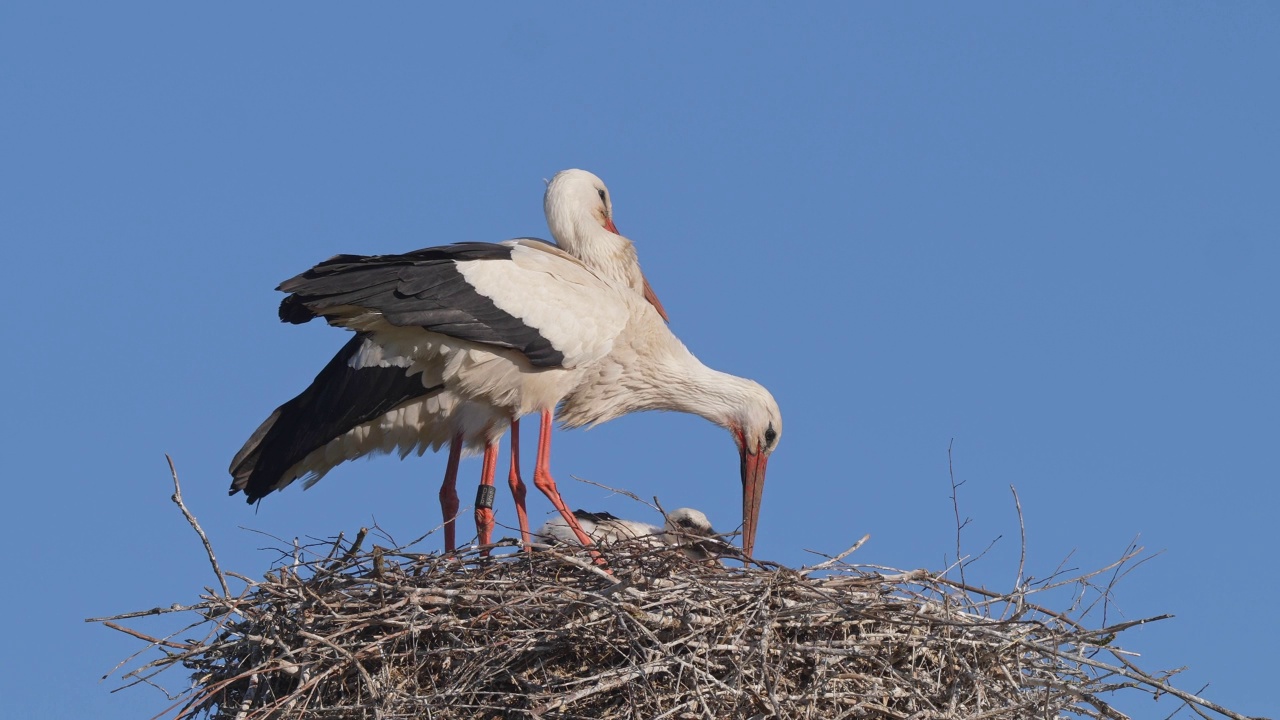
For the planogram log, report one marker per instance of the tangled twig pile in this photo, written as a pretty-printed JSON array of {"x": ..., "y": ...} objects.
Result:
[{"x": 335, "y": 631}]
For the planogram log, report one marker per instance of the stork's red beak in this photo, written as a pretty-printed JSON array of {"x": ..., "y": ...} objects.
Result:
[
  {"x": 753, "y": 467},
  {"x": 608, "y": 225}
]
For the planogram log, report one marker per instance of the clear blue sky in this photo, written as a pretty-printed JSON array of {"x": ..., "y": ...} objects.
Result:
[{"x": 1048, "y": 232}]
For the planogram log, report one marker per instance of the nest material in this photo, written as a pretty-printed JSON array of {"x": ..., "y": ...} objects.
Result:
[{"x": 336, "y": 632}]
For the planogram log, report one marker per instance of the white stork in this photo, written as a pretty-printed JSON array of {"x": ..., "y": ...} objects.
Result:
[
  {"x": 686, "y": 528},
  {"x": 369, "y": 400},
  {"x": 521, "y": 326}
]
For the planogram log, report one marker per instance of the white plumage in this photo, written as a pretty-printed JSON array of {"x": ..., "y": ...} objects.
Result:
[
  {"x": 648, "y": 368},
  {"x": 684, "y": 527},
  {"x": 518, "y": 327},
  {"x": 429, "y": 415}
]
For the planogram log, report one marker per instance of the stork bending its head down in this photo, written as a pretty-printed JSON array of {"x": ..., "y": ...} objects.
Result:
[
  {"x": 496, "y": 331},
  {"x": 522, "y": 326}
]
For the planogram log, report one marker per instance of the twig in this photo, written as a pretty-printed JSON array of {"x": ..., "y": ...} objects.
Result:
[
  {"x": 617, "y": 491},
  {"x": 1022, "y": 534},
  {"x": 955, "y": 506},
  {"x": 177, "y": 498},
  {"x": 148, "y": 638},
  {"x": 829, "y": 562}
]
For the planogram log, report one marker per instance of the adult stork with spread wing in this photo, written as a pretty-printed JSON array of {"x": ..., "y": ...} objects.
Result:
[{"x": 496, "y": 331}]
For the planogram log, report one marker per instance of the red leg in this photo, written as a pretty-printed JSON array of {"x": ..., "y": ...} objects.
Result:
[
  {"x": 484, "y": 496},
  {"x": 543, "y": 481},
  {"x": 449, "y": 494},
  {"x": 517, "y": 485}
]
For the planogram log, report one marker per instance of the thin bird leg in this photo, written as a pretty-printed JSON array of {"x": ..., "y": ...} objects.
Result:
[
  {"x": 449, "y": 493},
  {"x": 517, "y": 484},
  {"x": 485, "y": 494},
  {"x": 543, "y": 481}
]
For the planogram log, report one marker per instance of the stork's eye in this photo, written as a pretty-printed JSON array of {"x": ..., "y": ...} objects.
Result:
[
  {"x": 769, "y": 436},
  {"x": 603, "y": 198}
]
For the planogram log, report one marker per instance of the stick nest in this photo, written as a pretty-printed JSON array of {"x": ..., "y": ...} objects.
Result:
[{"x": 337, "y": 632}]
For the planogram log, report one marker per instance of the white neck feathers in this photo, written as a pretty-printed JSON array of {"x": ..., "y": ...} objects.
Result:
[{"x": 579, "y": 232}]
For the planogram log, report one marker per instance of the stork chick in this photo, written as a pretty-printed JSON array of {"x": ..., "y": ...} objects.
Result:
[{"x": 686, "y": 528}]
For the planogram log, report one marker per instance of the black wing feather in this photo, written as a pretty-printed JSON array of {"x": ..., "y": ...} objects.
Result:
[
  {"x": 339, "y": 399},
  {"x": 596, "y": 517},
  {"x": 424, "y": 289}
]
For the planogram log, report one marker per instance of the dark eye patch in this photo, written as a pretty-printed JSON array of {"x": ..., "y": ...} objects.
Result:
[
  {"x": 602, "y": 197},
  {"x": 769, "y": 436}
]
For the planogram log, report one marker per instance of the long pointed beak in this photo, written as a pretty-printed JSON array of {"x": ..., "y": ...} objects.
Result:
[
  {"x": 753, "y": 467},
  {"x": 608, "y": 225}
]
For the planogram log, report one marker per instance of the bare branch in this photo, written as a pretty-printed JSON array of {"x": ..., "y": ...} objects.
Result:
[{"x": 177, "y": 499}]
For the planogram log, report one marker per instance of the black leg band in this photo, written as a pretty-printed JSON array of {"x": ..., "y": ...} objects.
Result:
[{"x": 484, "y": 496}]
